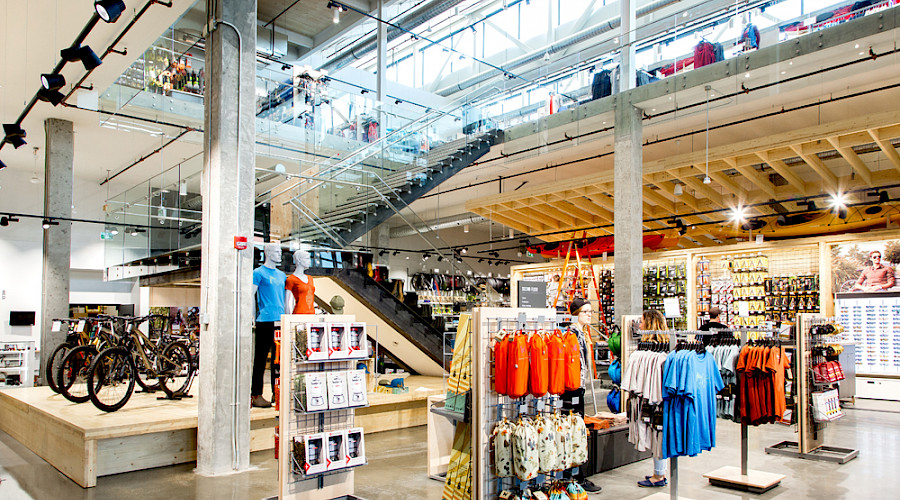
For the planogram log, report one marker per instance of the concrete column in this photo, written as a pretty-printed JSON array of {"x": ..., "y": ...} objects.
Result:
[
  {"x": 223, "y": 437},
  {"x": 381, "y": 86},
  {"x": 59, "y": 158},
  {"x": 627, "y": 70},
  {"x": 628, "y": 205}
]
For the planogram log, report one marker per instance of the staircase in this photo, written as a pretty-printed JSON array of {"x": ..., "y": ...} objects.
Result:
[
  {"x": 415, "y": 329},
  {"x": 392, "y": 191}
]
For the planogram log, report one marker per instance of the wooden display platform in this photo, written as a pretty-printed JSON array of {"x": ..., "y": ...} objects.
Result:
[
  {"x": 755, "y": 481},
  {"x": 85, "y": 443}
]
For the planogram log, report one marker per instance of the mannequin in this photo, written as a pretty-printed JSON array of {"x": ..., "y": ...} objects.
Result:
[
  {"x": 301, "y": 293},
  {"x": 268, "y": 285}
]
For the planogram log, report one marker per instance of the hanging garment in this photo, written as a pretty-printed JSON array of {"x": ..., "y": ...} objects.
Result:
[
  {"x": 572, "y": 362},
  {"x": 579, "y": 447},
  {"x": 562, "y": 435},
  {"x": 704, "y": 53},
  {"x": 538, "y": 381},
  {"x": 517, "y": 366},
  {"x": 556, "y": 356},
  {"x": 750, "y": 37},
  {"x": 501, "y": 371},
  {"x": 548, "y": 459},
  {"x": 525, "y": 451},
  {"x": 501, "y": 441},
  {"x": 601, "y": 86}
]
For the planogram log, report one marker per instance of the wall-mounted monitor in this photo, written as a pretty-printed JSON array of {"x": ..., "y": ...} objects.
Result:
[{"x": 21, "y": 318}]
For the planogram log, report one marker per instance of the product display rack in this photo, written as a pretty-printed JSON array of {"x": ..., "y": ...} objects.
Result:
[
  {"x": 744, "y": 478},
  {"x": 664, "y": 280},
  {"x": 811, "y": 432},
  {"x": 871, "y": 320},
  {"x": 295, "y": 422},
  {"x": 15, "y": 361},
  {"x": 488, "y": 407}
]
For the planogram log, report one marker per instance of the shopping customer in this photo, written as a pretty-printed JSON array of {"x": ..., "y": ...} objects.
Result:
[
  {"x": 713, "y": 325},
  {"x": 581, "y": 310},
  {"x": 654, "y": 320}
]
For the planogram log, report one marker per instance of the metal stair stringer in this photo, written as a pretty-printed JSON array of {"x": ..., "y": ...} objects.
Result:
[{"x": 423, "y": 337}]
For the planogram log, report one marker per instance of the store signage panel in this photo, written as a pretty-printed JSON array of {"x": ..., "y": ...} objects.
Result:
[{"x": 532, "y": 294}]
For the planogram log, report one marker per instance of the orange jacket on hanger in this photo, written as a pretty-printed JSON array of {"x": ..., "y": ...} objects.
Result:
[
  {"x": 517, "y": 366},
  {"x": 501, "y": 349},
  {"x": 538, "y": 377},
  {"x": 573, "y": 361},
  {"x": 556, "y": 364}
]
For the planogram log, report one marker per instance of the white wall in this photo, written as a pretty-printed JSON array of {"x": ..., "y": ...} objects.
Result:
[{"x": 21, "y": 262}]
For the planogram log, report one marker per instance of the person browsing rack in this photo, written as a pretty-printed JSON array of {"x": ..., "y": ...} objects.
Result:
[
  {"x": 652, "y": 319},
  {"x": 573, "y": 400}
]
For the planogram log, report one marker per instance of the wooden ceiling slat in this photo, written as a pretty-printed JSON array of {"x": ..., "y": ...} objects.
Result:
[
  {"x": 514, "y": 223},
  {"x": 887, "y": 148},
  {"x": 853, "y": 159},
  {"x": 784, "y": 171},
  {"x": 726, "y": 182},
  {"x": 756, "y": 178},
  {"x": 589, "y": 206},
  {"x": 815, "y": 163},
  {"x": 699, "y": 187}
]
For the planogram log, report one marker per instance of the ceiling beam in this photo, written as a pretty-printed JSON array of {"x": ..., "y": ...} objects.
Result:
[
  {"x": 758, "y": 179},
  {"x": 887, "y": 148},
  {"x": 784, "y": 171},
  {"x": 818, "y": 166},
  {"x": 853, "y": 159}
]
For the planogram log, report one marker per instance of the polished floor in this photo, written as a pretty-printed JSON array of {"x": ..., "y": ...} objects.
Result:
[{"x": 396, "y": 470}]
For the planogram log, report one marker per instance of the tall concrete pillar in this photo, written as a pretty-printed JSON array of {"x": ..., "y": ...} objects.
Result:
[
  {"x": 223, "y": 436},
  {"x": 628, "y": 205},
  {"x": 59, "y": 159},
  {"x": 628, "y": 15}
]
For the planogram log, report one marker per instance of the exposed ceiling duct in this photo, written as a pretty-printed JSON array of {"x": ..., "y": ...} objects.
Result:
[
  {"x": 553, "y": 48},
  {"x": 366, "y": 45},
  {"x": 444, "y": 223}
]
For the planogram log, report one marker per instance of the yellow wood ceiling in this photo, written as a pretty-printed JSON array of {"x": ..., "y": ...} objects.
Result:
[{"x": 779, "y": 167}]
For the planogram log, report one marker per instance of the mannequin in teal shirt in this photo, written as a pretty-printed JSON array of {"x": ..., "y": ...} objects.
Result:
[{"x": 268, "y": 285}]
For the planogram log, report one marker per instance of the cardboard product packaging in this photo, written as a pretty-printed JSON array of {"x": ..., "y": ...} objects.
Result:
[
  {"x": 312, "y": 341},
  {"x": 311, "y": 453},
  {"x": 310, "y": 389},
  {"x": 337, "y": 390},
  {"x": 356, "y": 449},
  {"x": 359, "y": 341},
  {"x": 338, "y": 340},
  {"x": 356, "y": 388},
  {"x": 337, "y": 450}
]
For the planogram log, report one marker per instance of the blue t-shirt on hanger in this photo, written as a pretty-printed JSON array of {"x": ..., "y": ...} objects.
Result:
[{"x": 269, "y": 293}]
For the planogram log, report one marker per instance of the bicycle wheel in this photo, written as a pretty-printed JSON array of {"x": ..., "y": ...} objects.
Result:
[
  {"x": 147, "y": 378},
  {"x": 111, "y": 380},
  {"x": 53, "y": 364},
  {"x": 73, "y": 373},
  {"x": 176, "y": 369}
]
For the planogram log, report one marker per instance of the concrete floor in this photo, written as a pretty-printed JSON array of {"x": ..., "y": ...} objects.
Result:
[{"x": 396, "y": 470}]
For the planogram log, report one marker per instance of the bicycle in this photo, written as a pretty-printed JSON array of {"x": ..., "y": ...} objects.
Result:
[
  {"x": 113, "y": 372},
  {"x": 73, "y": 370},
  {"x": 74, "y": 338}
]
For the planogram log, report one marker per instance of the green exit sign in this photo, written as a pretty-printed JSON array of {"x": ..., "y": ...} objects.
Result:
[{"x": 105, "y": 235}]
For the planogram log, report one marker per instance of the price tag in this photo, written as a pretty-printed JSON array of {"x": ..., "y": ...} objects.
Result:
[
  {"x": 540, "y": 405},
  {"x": 743, "y": 309},
  {"x": 718, "y": 396},
  {"x": 523, "y": 409},
  {"x": 670, "y": 305},
  {"x": 80, "y": 327},
  {"x": 55, "y": 327},
  {"x": 558, "y": 403},
  {"x": 646, "y": 419},
  {"x": 575, "y": 400}
]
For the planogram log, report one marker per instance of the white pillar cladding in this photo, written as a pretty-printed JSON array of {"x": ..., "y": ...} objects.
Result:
[
  {"x": 223, "y": 435},
  {"x": 59, "y": 160},
  {"x": 628, "y": 204}
]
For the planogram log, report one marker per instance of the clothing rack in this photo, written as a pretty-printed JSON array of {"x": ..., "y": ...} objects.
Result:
[
  {"x": 811, "y": 433},
  {"x": 745, "y": 479}
]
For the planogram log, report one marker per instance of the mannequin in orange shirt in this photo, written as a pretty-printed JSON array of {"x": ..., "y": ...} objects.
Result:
[{"x": 300, "y": 297}]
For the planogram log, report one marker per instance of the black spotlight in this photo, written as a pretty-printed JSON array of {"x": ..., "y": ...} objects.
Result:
[
  {"x": 109, "y": 10},
  {"x": 810, "y": 205},
  {"x": 81, "y": 53},
  {"x": 381, "y": 253},
  {"x": 54, "y": 97},
  {"x": 2, "y": 165},
  {"x": 842, "y": 213},
  {"x": 4, "y": 221},
  {"x": 440, "y": 258},
  {"x": 14, "y": 134},
  {"x": 883, "y": 197},
  {"x": 52, "y": 81}
]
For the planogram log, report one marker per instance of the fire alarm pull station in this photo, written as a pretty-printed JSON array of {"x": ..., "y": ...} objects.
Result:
[{"x": 240, "y": 242}]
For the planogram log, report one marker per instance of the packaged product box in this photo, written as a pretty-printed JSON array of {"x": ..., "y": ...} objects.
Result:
[
  {"x": 309, "y": 453},
  {"x": 359, "y": 341},
  {"x": 311, "y": 341},
  {"x": 337, "y": 389},
  {"x": 356, "y": 388},
  {"x": 338, "y": 340},
  {"x": 311, "y": 392},
  {"x": 337, "y": 449},
  {"x": 356, "y": 449}
]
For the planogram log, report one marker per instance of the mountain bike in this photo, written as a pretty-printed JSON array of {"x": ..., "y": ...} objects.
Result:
[
  {"x": 74, "y": 338},
  {"x": 73, "y": 370}
]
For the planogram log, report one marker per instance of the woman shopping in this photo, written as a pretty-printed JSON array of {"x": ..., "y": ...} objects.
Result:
[{"x": 654, "y": 320}]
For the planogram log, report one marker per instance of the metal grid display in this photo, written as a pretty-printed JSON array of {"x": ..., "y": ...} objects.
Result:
[
  {"x": 490, "y": 407},
  {"x": 295, "y": 422}
]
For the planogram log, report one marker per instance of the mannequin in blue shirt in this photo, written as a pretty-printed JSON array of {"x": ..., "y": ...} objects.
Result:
[{"x": 268, "y": 286}]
